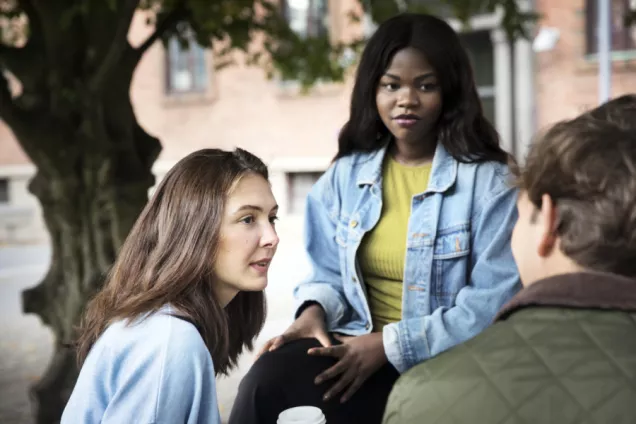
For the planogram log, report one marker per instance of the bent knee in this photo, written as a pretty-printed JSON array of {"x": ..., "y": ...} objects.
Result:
[
  {"x": 267, "y": 370},
  {"x": 287, "y": 365}
]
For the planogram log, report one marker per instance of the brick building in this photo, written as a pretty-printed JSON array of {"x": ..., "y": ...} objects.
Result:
[
  {"x": 567, "y": 77},
  {"x": 181, "y": 99}
]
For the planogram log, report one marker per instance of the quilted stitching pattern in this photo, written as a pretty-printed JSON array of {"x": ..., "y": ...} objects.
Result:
[{"x": 541, "y": 366}]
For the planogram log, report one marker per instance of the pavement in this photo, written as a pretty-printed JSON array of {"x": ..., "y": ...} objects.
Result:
[{"x": 26, "y": 345}]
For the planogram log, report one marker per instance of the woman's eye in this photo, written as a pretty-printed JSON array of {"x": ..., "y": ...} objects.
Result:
[
  {"x": 428, "y": 87},
  {"x": 390, "y": 86},
  {"x": 247, "y": 220},
  {"x": 273, "y": 219}
]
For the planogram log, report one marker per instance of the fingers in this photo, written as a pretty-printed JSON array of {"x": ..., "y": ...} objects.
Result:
[
  {"x": 334, "y": 351},
  {"x": 264, "y": 348},
  {"x": 271, "y": 345},
  {"x": 357, "y": 383},
  {"x": 323, "y": 338},
  {"x": 342, "y": 338},
  {"x": 346, "y": 379},
  {"x": 278, "y": 342},
  {"x": 334, "y": 371}
]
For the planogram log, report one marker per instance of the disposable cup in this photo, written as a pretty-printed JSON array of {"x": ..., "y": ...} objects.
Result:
[{"x": 302, "y": 415}]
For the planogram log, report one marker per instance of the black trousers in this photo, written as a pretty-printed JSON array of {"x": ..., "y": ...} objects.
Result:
[{"x": 285, "y": 378}]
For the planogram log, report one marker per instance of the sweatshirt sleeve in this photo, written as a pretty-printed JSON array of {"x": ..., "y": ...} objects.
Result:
[
  {"x": 173, "y": 382},
  {"x": 187, "y": 388}
]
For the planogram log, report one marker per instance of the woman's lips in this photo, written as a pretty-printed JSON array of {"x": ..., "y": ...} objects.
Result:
[
  {"x": 261, "y": 266},
  {"x": 406, "y": 122}
]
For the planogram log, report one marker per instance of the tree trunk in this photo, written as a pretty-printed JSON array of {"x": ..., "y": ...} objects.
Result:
[
  {"x": 91, "y": 193},
  {"x": 85, "y": 235},
  {"x": 74, "y": 119}
]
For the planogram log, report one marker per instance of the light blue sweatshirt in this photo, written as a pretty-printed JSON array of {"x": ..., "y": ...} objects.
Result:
[{"x": 157, "y": 371}]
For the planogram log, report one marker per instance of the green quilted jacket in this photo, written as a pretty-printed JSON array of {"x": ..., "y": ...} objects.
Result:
[{"x": 563, "y": 351}]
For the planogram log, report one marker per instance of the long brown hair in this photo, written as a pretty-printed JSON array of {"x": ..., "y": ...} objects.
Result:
[{"x": 168, "y": 258}]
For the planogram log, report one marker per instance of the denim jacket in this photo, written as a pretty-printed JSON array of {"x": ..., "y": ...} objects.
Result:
[{"x": 459, "y": 268}]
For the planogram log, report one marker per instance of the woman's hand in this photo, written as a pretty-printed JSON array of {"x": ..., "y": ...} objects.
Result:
[
  {"x": 310, "y": 324},
  {"x": 359, "y": 357}
]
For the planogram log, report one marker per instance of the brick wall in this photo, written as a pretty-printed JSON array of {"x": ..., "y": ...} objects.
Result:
[{"x": 567, "y": 82}]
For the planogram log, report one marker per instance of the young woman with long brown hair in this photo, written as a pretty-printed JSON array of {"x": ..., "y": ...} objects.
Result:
[{"x": 184, "y": 297}]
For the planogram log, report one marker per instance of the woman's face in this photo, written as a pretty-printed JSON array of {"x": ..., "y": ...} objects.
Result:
[
  {"x": 409, "y": 97},
  {"x": 248, "y": 238}
]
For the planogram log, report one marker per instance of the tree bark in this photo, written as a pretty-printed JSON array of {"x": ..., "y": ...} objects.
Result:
[
  {"x": 88, "y": 209},
  {"x": 75, "y": 121},
  {"x": 94, "y": 169}
]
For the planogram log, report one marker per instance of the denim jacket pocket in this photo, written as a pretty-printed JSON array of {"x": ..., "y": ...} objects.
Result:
[{"x": 451, "y": 256}]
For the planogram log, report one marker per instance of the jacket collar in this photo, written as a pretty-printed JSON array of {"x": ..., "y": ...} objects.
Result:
[
  {"x": 585, "y": 290},
  {"x": 443, "y": 170}
]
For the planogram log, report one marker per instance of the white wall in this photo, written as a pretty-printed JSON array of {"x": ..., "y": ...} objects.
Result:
[{"x": 21, "y": 219}]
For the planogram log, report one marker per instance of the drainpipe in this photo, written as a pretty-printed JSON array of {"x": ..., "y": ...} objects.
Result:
[{"x": 604, "y": 34}]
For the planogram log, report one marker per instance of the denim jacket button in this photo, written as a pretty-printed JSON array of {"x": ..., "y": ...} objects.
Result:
[
  {"x": 367, "y": 326},
  {"x": 354, "y": 279},
  {"x": 353, "y": 224}
]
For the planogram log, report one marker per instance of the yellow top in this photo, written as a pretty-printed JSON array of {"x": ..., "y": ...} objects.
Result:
[{"x": 383, "y": 250}]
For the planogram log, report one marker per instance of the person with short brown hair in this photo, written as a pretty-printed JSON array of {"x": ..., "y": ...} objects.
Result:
[
  {"x": 620, "y": 111},
  {"x": 584, "y": 173},
  {"x": 563, "y": 350}
]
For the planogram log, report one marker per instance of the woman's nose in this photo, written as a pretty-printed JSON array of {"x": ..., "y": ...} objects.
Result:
[{"x": 270, "y": 237}]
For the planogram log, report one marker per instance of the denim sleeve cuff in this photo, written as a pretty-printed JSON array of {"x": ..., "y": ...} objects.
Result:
[
  {"x": 392, "y": 348},
  {"x": 326, "y": 296}
]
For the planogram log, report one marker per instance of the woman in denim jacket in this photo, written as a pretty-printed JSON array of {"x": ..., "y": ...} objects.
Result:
[{"x": 408, "y": 234}]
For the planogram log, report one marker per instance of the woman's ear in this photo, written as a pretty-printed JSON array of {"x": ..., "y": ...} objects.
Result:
[{"x": 547, "y": 219}]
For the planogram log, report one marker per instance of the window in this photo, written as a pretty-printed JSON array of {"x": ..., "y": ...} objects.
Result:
[
  {"x": 480, "y": 50},
  {"x": 307, "y": 18},
  {"x": 4, "y": 190},
  {"x": 186, "y": 69},
  {"x": 443, "y": 9},
  {"x": 299, "y": 184},
  {"x": 623, "y": 38}
]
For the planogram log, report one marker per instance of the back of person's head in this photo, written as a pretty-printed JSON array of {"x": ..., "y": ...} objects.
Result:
[
  {"x": 462, "y": 127},
  {"x": 619, "y": 111},
  {"x": 587, "y": 167},
  {"x": 169, "y": 258}
]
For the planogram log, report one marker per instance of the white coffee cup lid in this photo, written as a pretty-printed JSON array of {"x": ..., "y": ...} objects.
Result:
[{"x": 302, "y": 415}]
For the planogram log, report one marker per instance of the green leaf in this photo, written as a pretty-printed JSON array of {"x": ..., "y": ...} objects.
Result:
[
  {"x": 69, "y": 15},
  {"x": 112, "y": 5}
]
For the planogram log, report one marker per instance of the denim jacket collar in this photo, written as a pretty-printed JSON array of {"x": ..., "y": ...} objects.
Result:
[
  {"x": 443, "y": 171},
  {"x": 371, "y": 171}
]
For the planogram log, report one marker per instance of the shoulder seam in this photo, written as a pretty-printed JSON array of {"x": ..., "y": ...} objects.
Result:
[{"x": 489, "y": 195}]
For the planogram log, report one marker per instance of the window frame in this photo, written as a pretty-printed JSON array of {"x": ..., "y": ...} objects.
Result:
[
  {"x": 292, "y": 181},
  {"x": 5, "y": 195},
  {"x": 196, "y": 65},
  {"x": 623, "y": 38},
  {"x": 316, "y": 17}
]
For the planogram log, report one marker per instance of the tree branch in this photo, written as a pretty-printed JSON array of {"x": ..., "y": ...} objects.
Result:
[
  {"x": 8, "y": 109},
  {"x": 8, "y": 54},
  {"x": 35, "y": 25},
  {"x": 117, "y": 46},
  {"x": 16, "y": 119},
  {"x": 170, "y": 20},
  {"x": 18, "y": 60}
]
